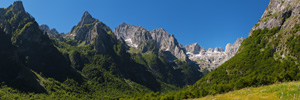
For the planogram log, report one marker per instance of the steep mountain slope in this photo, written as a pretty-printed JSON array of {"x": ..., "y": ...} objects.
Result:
[
  {"x": 89, "y": 62},
  {"x": 52, "y": 33},
  {"x": 98, "y": 39},
  {"x": 35, "y": 50},
  {"x": 158, "y": 41},
  {"x": 212, "y": 58},
  {"x": 160, "y": 51},
  {"x": 13, "y": 71},
  {"x": 34, "y": 63},
  {"x": 46, "y": 30},
  {"x": 270, "y": 54}
]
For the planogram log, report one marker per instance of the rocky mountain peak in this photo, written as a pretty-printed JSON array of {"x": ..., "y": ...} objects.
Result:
[
  {"x": 193, "y": 48},
  {"x": 18, "y": 6},
  {"x": 127, "y": 31},
  {"x": 212, "y": 58},
  {"x": 231, "y": 49},
  {"x": 218, "y": 49},
  {"x": 159, "y": 30},
  {"x": 279, "y": 13},
  {"x": 138, "y": 37},
  {"x": 86, "y": 19},
  {"x": 210, "y": 49},
  {"x": 90, "y": 30},
  {"x": 46, "y": 29},
  {"x": 239, "y": 41}
]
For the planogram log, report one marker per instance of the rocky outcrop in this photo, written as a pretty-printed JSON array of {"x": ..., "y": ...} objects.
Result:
[
  {"x": 193, "y": 48},
  {"x": 137, "y": 37},
  {"x": 168, "y": 42},
  {"x": 88, "y": 29},
  {"x": 134, "y": 36},
  {"x": 91, "y": 31},
  {"x": 232, "y": 49},
  {"x": 46, "y": 30},
  {"x": 212, "y": 58},
  {"x": 280, "y": 13},
  {"x": 218, "y": 49}
]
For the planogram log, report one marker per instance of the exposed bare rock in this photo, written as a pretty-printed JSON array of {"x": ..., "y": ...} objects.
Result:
[
  {"x": 212, "y": 58},
  {"x": 134, "y": 36},
  {"x": 91, "y": 30},
  {"x": 139, "y": 38},
  {"x": 277, "y": 14},
  {"x": 167, "y": 42},
  {"x": 88, "y": 28},
  {"x": 218, "y": 49},
  {"x": 193, "y": 48},
  {"x": 46, "y": 29}
]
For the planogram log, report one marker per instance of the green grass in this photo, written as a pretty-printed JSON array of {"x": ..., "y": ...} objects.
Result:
[{"x": 285, "y": 91}]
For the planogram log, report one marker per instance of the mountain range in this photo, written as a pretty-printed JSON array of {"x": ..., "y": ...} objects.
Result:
[
  {"x": 269, "y": 55},
  {"x": 92, "y": 61},
  {"x": 88, "y": 61}
]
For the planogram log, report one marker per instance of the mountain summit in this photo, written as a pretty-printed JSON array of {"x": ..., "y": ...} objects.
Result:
[
  {"x": 212, "y": 58},
  {"x": 86, "y": 19},
  {"x": 88, "y": 29},
  {"x": 160, "y": 41},
  {"x": 279, "y": 13}
]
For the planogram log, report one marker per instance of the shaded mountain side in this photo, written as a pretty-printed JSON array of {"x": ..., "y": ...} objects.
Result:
[
  {"x": 89, "y": 62},
  {"x": 52, "y": 33},
  {"x": 35, "y": 48},
  {"x": 47, "y": 30},
  {"x": 39, "y": 64},
  {"x": 13, "y": 72}
]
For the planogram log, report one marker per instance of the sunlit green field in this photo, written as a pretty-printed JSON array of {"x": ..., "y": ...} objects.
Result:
[{"x": 283, "y": 91}]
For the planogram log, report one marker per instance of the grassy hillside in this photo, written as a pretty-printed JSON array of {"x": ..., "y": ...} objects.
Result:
[{"x": 286, "y": 91}]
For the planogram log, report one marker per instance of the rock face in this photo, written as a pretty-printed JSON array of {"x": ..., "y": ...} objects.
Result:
[
  {"x": 138, "y": 37},
  {"x": 194, "y": 48},
  {"x": 46, "y": 30},
  {"x": 232, "y": 49},
  {"x": 90, "y": 30},
  {"x": 168, "y": 43},
  {"x": 212, "y": 58},
  {"x": 277, "y": 13},
  {"x": 134, "y": 36}
]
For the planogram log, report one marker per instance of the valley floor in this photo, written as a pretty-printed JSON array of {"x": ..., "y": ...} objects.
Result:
[{"x": 283, "y": 91}]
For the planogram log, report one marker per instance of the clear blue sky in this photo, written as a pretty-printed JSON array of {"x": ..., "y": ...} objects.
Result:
[{"x": 211, "y": 23}]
